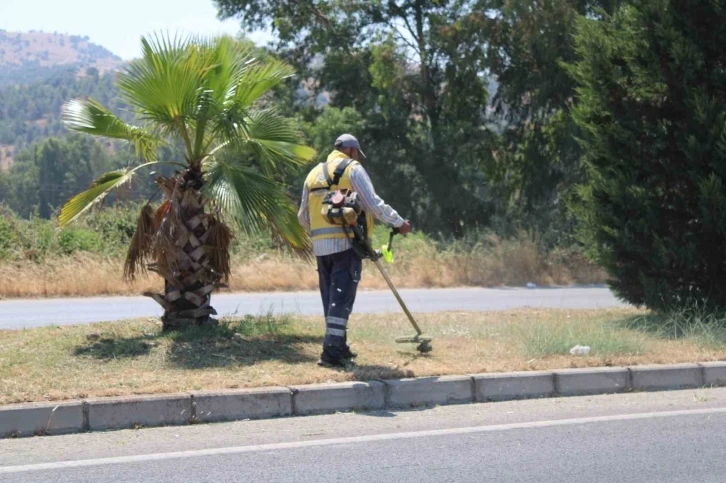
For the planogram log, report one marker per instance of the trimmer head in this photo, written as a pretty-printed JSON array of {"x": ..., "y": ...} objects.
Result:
[{"x": 424, "y": 342}]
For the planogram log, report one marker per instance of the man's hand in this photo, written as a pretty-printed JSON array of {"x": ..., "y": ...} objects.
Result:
[{"x": 405, "y": 228}]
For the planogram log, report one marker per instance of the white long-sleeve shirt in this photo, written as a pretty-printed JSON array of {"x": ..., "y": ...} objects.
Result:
[{"x": 370, "y": 203}]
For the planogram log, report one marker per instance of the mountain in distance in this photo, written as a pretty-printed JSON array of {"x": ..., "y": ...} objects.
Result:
[
  {"x": 39, "y": 72},
  {"x": 27, "y": 57}
]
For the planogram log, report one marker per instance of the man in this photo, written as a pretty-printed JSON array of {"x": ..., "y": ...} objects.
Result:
[{"x": 339, "y": 267}]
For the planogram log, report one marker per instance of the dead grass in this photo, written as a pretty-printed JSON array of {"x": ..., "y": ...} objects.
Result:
[
  {"x": 418, "y": 265},
  {"x": 55, "y": 363}
]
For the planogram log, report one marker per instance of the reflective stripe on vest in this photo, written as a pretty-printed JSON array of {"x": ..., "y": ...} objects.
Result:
[{"x": 333, "y": 230}]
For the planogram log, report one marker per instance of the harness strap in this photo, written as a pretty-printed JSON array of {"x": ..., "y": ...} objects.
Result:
[
  {"x": 337, "y": 174},
  {"x": 339, "y": 170}
]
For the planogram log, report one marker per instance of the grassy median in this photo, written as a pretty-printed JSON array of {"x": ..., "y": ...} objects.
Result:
[{"x": 107, "y": 359}]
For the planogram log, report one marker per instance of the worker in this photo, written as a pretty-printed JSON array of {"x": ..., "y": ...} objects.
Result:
[{"x": 339, "y": 265}]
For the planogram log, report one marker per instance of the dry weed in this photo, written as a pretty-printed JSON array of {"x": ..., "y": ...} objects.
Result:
[
  {"x": 54, "y": 363},
  {"x": 500, "y": 263}
]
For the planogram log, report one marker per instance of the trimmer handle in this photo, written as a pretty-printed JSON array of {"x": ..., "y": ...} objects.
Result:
[{"x": 394, "y": 231}]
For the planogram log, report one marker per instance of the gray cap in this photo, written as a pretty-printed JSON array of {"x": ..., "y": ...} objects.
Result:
[{"x": 348, "y": 141}]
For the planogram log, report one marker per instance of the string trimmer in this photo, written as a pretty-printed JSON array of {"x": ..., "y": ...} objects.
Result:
[
  {"x": 424, "y": 342},
  {"x": 341, "y": 208}
]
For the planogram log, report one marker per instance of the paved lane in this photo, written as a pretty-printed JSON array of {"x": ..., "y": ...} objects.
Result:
[
  {"x": 16, "y": 314},
  {"x": 646, "y": 437}
]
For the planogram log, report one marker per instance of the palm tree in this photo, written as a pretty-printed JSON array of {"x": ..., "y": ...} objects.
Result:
[{"x": 206, "y": 97}]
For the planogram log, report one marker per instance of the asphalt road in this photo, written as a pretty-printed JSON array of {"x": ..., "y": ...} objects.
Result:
[
  {"x": 18, "y": 314},
  {"x": 647, "y": 437}
]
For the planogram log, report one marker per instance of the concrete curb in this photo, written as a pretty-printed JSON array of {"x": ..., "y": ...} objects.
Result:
[
  {"x": 42, "y": 418},
  {"x": 513, "y": 385},
  {"x": 581, "y": 382},
  {"x": 240, "y": 404},
  {"x": 138, "y": 411},
  {"x": 425, "y": 391},
  {"x": 674, "y": 376},
  {"x": 20, "y": 420},
  {"x": 344, "y": 396}
]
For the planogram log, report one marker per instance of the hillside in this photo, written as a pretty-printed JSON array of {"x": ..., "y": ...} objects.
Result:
[
  {"x": 33, "y": 56},
  {"x": 38, "y": 73},
  {"x": 31, "y": 112}
]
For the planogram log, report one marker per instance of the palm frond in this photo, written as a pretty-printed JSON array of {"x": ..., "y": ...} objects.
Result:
[
  {"x": 220, "y": 238},
  {"x": 106, "y": 183},
  {"x": 164, "y": 85},
  {"x": 229, "y": 60},
  {"x": 90, "y": 117},
  {"x": 258, "y": 79},
  {"x": 255, "y": 202},
  {"x": 274, "y": 140},
  {"x": 232, "y": 59},
  {"x": 206, "y": 106},
  {"x": 164, "y": 249},
  {"x": 141, "y": 244}
]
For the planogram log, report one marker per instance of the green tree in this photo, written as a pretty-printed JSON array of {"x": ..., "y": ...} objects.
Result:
[
  {"x": 538, "y": 159},
  {"x": 30, "y": 112},
  {"x": 329, "y": 124},
  {"x": 652, "y": 107},
  {"x": 414, "y": 71},
  {"x": 207, "y": 99},
  {"x": 64, "y": 168},
  {"x": 49, "y": 172},
  {"x": 22, "y": 188}
]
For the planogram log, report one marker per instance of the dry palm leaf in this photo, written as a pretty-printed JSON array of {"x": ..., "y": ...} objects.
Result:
[
  {"x": 217, "y": 244},
  {"x": 141, "y": 244}
]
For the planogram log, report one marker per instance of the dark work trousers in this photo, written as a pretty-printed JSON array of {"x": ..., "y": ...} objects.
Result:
[{"x": 339, "y": 275}]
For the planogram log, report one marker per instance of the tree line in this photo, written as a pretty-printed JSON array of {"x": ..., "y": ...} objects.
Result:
[
  {"x": 31, "y": 112},
  {"x": 608, "y": 124},
  {"x": 595, "y": 122},
  {"x": 463, "y": 105}
]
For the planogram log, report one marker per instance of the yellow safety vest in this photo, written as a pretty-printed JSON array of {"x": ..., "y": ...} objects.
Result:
[{"x": 317, "y": 186}]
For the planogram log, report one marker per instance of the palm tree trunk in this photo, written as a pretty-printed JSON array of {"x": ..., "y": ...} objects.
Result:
[{"x": 183, "y": 257}]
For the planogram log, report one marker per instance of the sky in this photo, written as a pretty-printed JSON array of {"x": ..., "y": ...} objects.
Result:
[{"x": 118, "y": 26}]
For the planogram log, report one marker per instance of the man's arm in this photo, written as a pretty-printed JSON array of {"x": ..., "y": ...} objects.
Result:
[
  {"x": 303, "y": 215},
  {"x": 370, "y": 201}
]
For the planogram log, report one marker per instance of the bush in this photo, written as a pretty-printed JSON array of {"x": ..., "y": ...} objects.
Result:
[
  {"x": 115, "y": 226},
  {"x": 72, "y": 240},
  {"x": 652, "y": 106},
  {"x": 107, "y": 232},
  {"x": 7, "y": 239}
]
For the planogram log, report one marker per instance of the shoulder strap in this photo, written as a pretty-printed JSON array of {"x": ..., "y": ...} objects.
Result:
[
  {"x": 337, "y": 174},
  {"x": 328, "y": 179},
  {"x": 339, "y": 170}
]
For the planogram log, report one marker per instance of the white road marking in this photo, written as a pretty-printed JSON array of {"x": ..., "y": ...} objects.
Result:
[{"x": 351, "y": 440}]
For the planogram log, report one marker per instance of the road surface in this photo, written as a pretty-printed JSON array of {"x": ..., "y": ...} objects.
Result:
[
  {"x": 18, "y": 314},
  {"x": 645, "y": 437}
]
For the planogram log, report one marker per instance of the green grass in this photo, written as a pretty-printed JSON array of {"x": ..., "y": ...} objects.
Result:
[
  {"x": 604, "y": 339},
  {"x": 706, "y": 329},
  {"x": 134, "y": 357}
]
